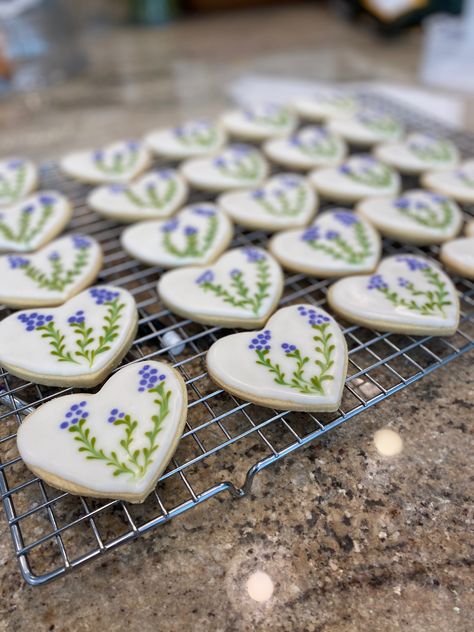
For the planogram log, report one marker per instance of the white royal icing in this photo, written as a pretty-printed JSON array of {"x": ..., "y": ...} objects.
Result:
[
  {"x": 406, "y": 294},
  {"x": 260, "y": 121},
  {"x": 51, "y": 275},
  {"x": 337, "y": 243},
  {"x": 156, "y": 194},
  {"x": 457, "y": 183},
  {"x": 18, "y": 177},
  {"x": 285, "y": 200},
  {"x": 236, "y": 167},
  {"x": 118, "y": 162},
  {"x": 358, "y": 177},
  {"x": 310, "y": 147},
  {"x": 326, "y": 104},
  {"x": 299, "y": 361},
  {"x": 78, "y": 339},
  {"x": 243, "y": 286},
  {"x": 458, "y": 255},
  {"x": 29, "y": 224},
  {"x": 197, "y": 234},
  {"x": 190, "y": 139},
  {"x": 367, "y": 127},
  {"x": 416, "y": 216},
  {"x": 114, "y": 443},
  {"x": 418, "y": 153}
]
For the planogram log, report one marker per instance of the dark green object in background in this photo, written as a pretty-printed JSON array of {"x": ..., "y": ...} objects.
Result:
[{"x": 154, "y": 11}]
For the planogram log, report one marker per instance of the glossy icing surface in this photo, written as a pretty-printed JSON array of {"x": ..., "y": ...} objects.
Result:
[
  {"x": 326, "y": 104},
  {"x": 260, "y": 121},
  {"x": 82, "y": 336},
  {"x": 367, "y": 127},
  {"x": 114, "y": 442},
  {"x": 308, "y": 148},
  {"x": 405, "y": 292},
  {"x": 360, "y": 176},
  {"x": 244, "y": 284},
  {"x": 458, "y": 183},
  {"x": 156, "y": 194},
  {"x": 338, "y": 242},
  {"x": 298, "y": 360},
  {"x": 237, "y": 166},
  {"x": 417, "y": 215},
  {"x": 459, "y": 255},
  {"x": 51, "y": 275},
  {"x": 284, "y": 200},
  {"x": 118, "y": 162},
  {"x": 418, "y": 153},
  {"x": 18, "y": 177},
  {"x": 188, "y": 140},
  {"x": 197, "y": 234},
  {"x": 29, "y": 224}
]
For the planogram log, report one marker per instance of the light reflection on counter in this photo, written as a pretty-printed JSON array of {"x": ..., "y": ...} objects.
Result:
[{"x": 260, "y": 586}]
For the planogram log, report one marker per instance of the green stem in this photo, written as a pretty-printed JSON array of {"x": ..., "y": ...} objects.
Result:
[{"x": 56, "y": 342}]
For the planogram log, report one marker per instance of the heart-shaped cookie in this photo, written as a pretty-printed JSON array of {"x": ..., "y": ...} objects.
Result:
[
  {"x": 197, "y": 234},
  {"x": 77, "y": 344},
  {"x": 284, "y": 201},
  {"x": 367, "y": 127},
  {"x": 114, "y": 444},
  {"x": 155, "y": 195},
  {"x": 118, "y": 162},
  {"x": 298, "y": 362},
  {"x": 338, "y": 243},
  {"x": 259, "y": 121},
  {"x": 237, "y": 167},
  {"x": 408, "y": 294},
  {"x": 457, "y": 183},
  {"x": 18, "y": 178},
  {"x": 359, "y": 177},
  {"x": 309, "y": 148},
  {"x": 52, "y": 275},
  {"x": 417, "y": 217},
  {"x": 458, "y": 256},
  {"x": 419, "y": 153},
  {"x": 191, "y": 139},
  {"x": 240, "y": 290},
  {"x": 327, "y": 104},
  {"x": 30, "y": 224}
]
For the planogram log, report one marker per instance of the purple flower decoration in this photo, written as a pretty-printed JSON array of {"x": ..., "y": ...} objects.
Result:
[
  {"x": 235, "y": 273},
  {"x": 261, "y": 342},
  {"x": 376, "y": 282},
  {"x": 413, "y": 263},
  {"x": 117, "y": 188},
  {"x": 253, "y": 255},
  {"x": 294, "y": 141},
  {"x": 345, "y": 169},
  {"x": 102, "y": 295},
  {"x": 332, "y": 234},
  {"x": 203, "y": 211},
  {"x": 206, "y": 277},
  {"x": 287, "y": 348},
  {"x": 16, "y": 261},
  {"x": 54, "y": 256},
  {"x": 314, "y": 317},
  {"x": 170, "y": 226},
  {"x": 74, "y": 414},
  {"x": 47, "y": 200},
  {"x": 115, "y": 414},
  {"x": 133, "y": 145},
  {"x": 258, "y": 194},
  {"x": 15, "y": 164},
  {"x": 148, "y": 378},
  {"x": 98, "y": 155},
  {"x": 77, "y": 318},
  {"x": 402, "y": 203},
  {"x": 165, "y": 174},
  {"x": 220, "y": 162},
  {"x": 79, "y": 242},
  {"x": 438, "y": 198},
  {"x": 33, "y": 320},
  {"x": 345, "y": 218},
  {"x": 291, "y": 182},
  {"x": 190, "y": 230},
  {"x": 403, "y": 282},
  {"x": 27, "y": 210},
  {"x": 311, "y": 234}
]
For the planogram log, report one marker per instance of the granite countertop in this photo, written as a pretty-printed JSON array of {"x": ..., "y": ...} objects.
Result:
[{"x": 351, "y": 540}]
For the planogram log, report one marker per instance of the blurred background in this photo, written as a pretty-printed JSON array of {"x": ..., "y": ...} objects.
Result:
[{"x": 76, "y": 74}]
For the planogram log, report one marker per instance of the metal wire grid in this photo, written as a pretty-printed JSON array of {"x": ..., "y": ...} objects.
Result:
[{"x": 224, "y": 437}]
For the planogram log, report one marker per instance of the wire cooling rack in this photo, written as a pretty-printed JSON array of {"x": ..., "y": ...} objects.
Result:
[{"x": 225, "y": 438}]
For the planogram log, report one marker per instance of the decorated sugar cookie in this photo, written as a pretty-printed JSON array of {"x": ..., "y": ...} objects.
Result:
[
  {"x": 327, "y": 104},
  {"x": 419, "y": 153},
  {"x": 418, "y": 217},
  {"x": 33, "y": 222},
  {"x": 361, "y": 176},
  {"x": 285, "y": 200},
  {"x": 195, "y": 235},
  {"x": 309, "y": 148},
  {"x": 367, "y": 128},
  {"x": 338, "y": 243},
  {"x": 18, "y": 178},
  {"x": 298, "y": 362},
  {"x": 237, "y": 167},
  {"x": 154, "y": 195},
  {"x": 119, "y": 162},
  {"x": 191, "y": 139},
  {"x": 77, "y": 344},
  {"x": 469, "y": 230},
  {"x": 240, "y": 290},
  {"x": 114, "y": 444},
  {"x": 458, "y": 256},
  {"x": 407, "y": 294},
  {"x": 457, "y": 183},
  {"x": 52, "y": 275},
  {"x": 260, "y": 121}
]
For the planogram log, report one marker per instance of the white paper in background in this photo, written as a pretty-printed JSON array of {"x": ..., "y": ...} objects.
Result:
[{"x": 250, "y": 89}]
